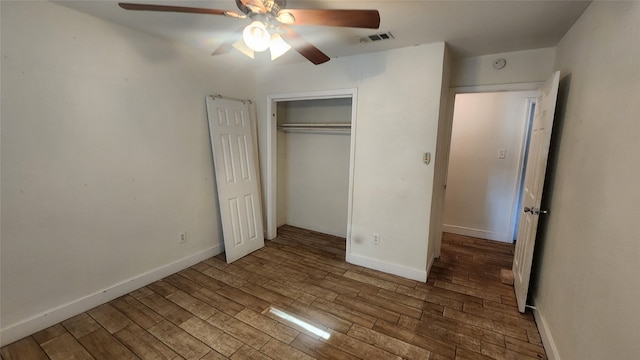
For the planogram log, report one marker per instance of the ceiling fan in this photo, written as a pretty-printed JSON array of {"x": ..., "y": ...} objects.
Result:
[{"x": 269, "y": 27}]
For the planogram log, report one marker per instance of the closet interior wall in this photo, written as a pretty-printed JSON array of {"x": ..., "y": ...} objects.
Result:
[{"x": 313, "y": 164}]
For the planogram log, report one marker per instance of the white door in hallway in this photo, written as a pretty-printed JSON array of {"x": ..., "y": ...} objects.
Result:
[
  {"x": 236, "y": 176},
  {"x": 533, "y": 186}
]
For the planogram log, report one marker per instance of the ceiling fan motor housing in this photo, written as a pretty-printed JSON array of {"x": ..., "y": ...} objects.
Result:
[{"x": 271, "y": 8}]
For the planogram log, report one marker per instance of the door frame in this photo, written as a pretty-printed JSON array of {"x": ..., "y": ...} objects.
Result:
[
  {"x": 515, "y": 216},
  {"x": 272, "y": 146},
  {"x": 527, "y": 86}
]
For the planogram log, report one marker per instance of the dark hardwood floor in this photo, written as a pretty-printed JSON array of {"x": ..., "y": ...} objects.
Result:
[{"x": 261, "y": 306}]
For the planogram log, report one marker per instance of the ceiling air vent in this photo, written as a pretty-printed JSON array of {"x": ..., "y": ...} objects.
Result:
[{"x": 377, "y": 37}]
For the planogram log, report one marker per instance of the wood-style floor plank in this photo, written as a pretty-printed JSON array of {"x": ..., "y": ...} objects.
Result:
[
  {"x": 49, "y": 333},
  {"x": 166, "y": 308},
  {"x": 359, "y": 348},
  {"x": 389, "y": 343},
  {"x": 179, "y": 340},
  {"x": 412, "y": 337},
  {"x": 143, "y": 344},
  {"x": 246, "y": 352},
  {"x": 110, "y": 318},
  {"x": 240, "y": 330},
  {"x": 297, "y": 298},
  {"x": 81, "y": 325},
  {"x": 65, "y": 347},
  {"x": 25, "y": 349},
  {"x": 136, "y": 311},
  {"x": 103, "y": 345},
  {"x": 319, "y": 349},
  {"x": 215, "y": 338},
  {"x": 279, "y": 350},
  {"x": 323, "y": 318},
  {"x": 436, "y": 332},
  {"x": 193, "y": 305}
]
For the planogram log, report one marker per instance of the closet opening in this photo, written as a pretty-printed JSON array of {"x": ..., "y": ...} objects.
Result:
[{"x": 310, "y": 162}]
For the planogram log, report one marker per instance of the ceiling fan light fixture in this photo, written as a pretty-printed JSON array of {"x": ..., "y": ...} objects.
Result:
[
  {"x": 243, "y": 48},
  {"x": 256, "y": 36},
  {"x": 278, "y": 46}
]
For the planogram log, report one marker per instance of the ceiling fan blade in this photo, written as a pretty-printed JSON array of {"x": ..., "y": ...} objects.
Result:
[
  {"x": 224, "y": 48},
  {"x": 178, "y": 9},
  {"x": 227, "y": 45},
  {"x": 369, "y": 19},
  {"x": 303, "y": 47}
]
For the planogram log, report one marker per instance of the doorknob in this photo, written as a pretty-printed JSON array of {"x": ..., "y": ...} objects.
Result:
[
  {"x": 534, "y": 211},
  {"x": 538, "y": 211}
]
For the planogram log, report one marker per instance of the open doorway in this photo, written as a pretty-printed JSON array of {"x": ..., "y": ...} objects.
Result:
[
  {"x": 538, "y": 121},
  {"x": 488, "y": 148},
  {"x": 310, "y": 161}
]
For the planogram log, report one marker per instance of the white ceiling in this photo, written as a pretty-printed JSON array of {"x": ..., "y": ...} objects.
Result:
[{"x": 471, "y": 28}]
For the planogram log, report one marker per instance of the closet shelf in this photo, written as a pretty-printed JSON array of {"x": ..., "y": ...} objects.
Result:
[{"x": 328, "y": 128}]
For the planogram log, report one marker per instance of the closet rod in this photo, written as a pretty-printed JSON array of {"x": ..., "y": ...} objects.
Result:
[
  {"x": 322, "y": 128},
  {"x": 314, "y": 126}
]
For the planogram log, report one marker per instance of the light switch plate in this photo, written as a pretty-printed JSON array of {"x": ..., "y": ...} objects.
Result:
[{"x": 427, "y": 158}]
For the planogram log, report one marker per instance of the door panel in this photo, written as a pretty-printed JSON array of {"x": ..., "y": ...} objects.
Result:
[
  {"x": 236, "y": 176},
  {"x": 533, "y": 186}
]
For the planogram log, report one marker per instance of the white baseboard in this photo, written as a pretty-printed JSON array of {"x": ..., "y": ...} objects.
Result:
[
  {"x": 545, "y": 334},
  {"x": 482, "y": 234},
  {"x": 335, "y": 232},
  {"x": 395, "y": 269},
  {"x": 430, "y": 264},
  {"x": 55, "y": 315}
]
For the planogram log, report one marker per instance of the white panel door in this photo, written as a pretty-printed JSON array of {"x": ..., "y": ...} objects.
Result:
[
  {"x": 236, "y": 176},
  {"x": 533, "y": 186}
]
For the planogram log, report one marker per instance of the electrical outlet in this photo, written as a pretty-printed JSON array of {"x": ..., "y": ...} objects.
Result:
[
  {"x": 376, "y": 239},
  {"x": 182, "y": 237}
]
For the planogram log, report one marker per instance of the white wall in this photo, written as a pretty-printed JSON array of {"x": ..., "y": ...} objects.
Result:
[
  {"x": 318, "y": 181},
  {"x": 397, "y": 121},
  {"x": 482, "y": 188},
  {"x": 589, "y": 278},
  {"x": 522, "y": 67},
  {"x": 314, "y": 167},
  {"x": 318, "y": 111},
  {"x": 105, "y": 159}
]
